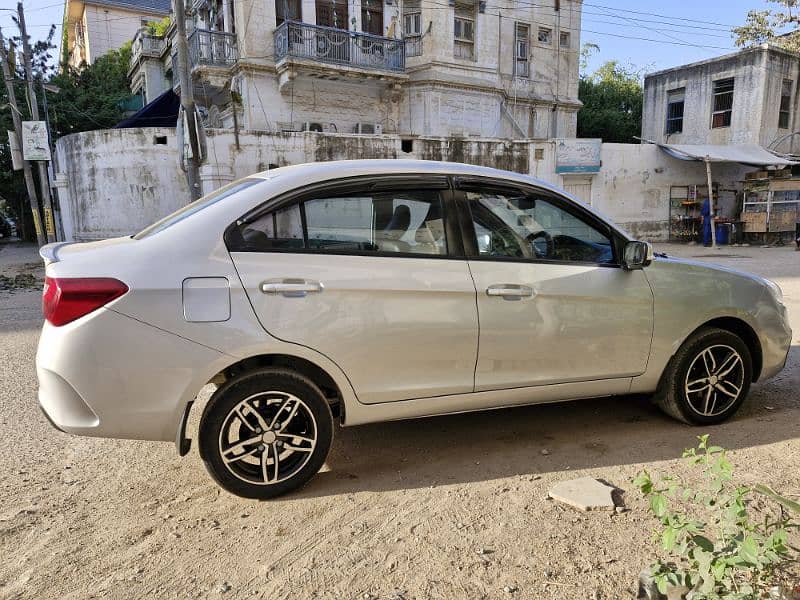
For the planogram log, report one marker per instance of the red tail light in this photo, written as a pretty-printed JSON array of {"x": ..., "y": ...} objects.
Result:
[{"x": 67, "y": 299}]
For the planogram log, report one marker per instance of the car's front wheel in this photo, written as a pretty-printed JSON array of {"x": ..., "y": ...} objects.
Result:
[
  {"x": 265, "y": 433},
  {"x": 707, "y": 379}
]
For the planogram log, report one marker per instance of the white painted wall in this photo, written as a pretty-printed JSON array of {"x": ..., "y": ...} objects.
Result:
[
  {"x": 116, "y": 182},
  {"x": 633, "y": 187}
]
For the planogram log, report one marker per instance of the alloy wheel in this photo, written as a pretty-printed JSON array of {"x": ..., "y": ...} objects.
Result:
[
  {"x": 267, "y": 437},
  {"x": 714, "y": 380}
]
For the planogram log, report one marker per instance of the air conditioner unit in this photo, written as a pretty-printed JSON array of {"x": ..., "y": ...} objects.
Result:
[
  {"x": 369, "y": 128},
  {"x": 309, "y": 126}
]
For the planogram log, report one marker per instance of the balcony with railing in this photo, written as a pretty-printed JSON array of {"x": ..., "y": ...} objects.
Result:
[
  {"x": 327, "y": 45},
  {"x": 212, "y": 48},
  {"x": 146, "y": 45}
]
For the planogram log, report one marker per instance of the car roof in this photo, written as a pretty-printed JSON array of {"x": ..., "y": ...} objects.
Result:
[{"x": 320, "y": 171}]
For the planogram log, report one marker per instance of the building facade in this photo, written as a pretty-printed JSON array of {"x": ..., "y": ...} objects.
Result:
[
  {"x": 463, "y": 68},
  {"x": 94, "y": 27},
  {"x": 749, "y": 97}
]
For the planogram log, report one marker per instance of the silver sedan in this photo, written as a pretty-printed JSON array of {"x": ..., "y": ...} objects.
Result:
[{"x": 364, "y": 291}]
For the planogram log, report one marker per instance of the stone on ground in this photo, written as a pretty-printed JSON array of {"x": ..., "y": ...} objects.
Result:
[{"x": 585, "y": 493}]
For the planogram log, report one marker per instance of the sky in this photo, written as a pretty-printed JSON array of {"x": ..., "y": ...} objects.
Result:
[{"x": 703, "y": 23}]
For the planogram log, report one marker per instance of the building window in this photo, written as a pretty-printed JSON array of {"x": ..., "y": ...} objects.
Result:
[
  {"x": 372, "y": 17},
  {"x": 723, "y": 103},
  {"x": 412, "y": 27},
  {"x": 521, "y": 50},
  {"x": 287, "y": 10},
  {"x": 564, "y": 39},
  {"x": 464, "y": 31},
  {"x": 545, "y": 35},
  {"x": 784, "y": 114},
  {"x": 332, "y": 13},
  {"x": 675, "y": 104}
]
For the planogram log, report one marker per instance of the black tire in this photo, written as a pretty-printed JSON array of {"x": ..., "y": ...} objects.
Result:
[
  {"x": 672, "y": 395},
  {"x": 300, "y": 447}
]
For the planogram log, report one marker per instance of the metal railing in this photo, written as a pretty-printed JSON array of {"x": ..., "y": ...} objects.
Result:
[
  {"x": 215, "y": 48},
  {"x": 338, "y": 46},
  {"x": 146, "y": 45},
  {"x": 413, "y": 45}
]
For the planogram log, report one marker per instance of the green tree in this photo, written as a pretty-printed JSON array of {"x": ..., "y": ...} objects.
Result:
[
  {"x": 90, "y": 97},
  {"x": 778, "y": 26},
  {"x": 612, "y": 104}
]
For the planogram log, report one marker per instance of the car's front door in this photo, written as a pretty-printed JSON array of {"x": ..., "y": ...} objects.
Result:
[
  {"x": 371, "y": 277},
  {"x": 553, "y": 303}
]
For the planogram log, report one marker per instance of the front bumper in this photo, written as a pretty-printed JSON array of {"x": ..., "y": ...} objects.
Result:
[
  {"x": 109, "y": 375},
  {"x": 776, "y": 340}
]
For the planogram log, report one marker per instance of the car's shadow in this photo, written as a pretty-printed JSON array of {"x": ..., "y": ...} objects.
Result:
[{"x": 540, "y": 439}]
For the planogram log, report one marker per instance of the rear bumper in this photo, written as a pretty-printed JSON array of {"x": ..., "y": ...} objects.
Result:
[{"x": 108, "y": 375}]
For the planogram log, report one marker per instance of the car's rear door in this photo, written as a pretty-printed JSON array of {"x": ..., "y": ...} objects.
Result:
[
  {"x": 372, "y": 274},
  {"x": 554, "y": 304}
]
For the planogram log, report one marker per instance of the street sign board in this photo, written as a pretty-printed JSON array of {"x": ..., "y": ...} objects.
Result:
[
  {"x": 578, "y": 155},
  {"x": 35, "y": 145}
]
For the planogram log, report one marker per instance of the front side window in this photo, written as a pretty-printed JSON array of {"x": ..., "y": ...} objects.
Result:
[
  {"x": 525, "y": 226},
  {"x": 405, "y": 222},
  {"x": 784, "y": 115},
  {"x": 521, "y": 49},
  {"x": 675, "y": 105},
  {"x": 464, "y": 31},
  {"x": 723, "y": 103}
]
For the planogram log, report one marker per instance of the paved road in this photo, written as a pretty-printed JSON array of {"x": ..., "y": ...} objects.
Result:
[{"x": 402, "y": 510}]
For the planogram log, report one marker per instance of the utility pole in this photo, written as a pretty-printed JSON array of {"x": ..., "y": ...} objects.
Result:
[
  {"x": 44, "y": 179},
  {"x": 187, "y": 99},
  {"x": 33, "y": 199}
]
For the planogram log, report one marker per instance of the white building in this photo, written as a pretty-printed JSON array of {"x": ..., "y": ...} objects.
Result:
[
  {"x": 93, "y": 27},
  {"x": 749, "y": 97},
  {"x": 463, "y": 68}
]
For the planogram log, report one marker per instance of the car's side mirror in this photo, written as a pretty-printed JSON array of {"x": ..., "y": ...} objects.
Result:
[{"x": 637, "y": 255}]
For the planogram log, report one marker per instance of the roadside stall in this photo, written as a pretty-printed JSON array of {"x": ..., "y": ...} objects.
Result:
[
  {"x": 767, "y": 204},
  {"x": 770, "y": 206}
]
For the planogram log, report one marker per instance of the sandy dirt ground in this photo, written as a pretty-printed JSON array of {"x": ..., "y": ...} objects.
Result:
[{"x": 448, "y": 507}]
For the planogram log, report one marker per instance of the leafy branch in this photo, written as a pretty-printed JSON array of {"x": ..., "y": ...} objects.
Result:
[{"x": 718, "y": 549}]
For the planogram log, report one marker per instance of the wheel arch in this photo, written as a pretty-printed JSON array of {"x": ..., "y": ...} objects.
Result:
[
  {"x": 328, "y": 385},
  {"x": 745, "y": 332}
]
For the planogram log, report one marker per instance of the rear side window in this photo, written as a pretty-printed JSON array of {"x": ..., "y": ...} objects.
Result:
[
  {"x": 382, "y": 222},
  {"x": 198, "y": 205}
]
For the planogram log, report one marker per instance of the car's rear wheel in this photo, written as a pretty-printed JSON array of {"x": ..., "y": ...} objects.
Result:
[
  {"x": 708, "y": 378},
  {"x": 265, "y": 433}
]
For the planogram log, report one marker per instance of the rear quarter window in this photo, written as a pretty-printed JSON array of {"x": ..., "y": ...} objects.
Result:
[{"x": 198, "y": 205}]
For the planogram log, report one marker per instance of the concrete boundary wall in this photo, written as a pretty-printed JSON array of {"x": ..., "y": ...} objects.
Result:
[{"x": 116, "y": 182}]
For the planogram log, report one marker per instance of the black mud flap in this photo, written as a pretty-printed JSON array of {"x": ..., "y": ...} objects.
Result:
[{"x": 182, "y": 443}]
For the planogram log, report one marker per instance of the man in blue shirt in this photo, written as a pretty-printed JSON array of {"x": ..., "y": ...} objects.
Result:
[{"x": 705, "y": 212}]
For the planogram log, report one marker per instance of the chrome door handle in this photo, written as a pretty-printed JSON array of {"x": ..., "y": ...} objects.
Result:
[
  {"x": 291, "y": 288},
  {"x": 510, "y": 291}
]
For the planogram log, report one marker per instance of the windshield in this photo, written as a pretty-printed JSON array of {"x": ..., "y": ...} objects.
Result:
[{"x": 197, "y": 206}]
